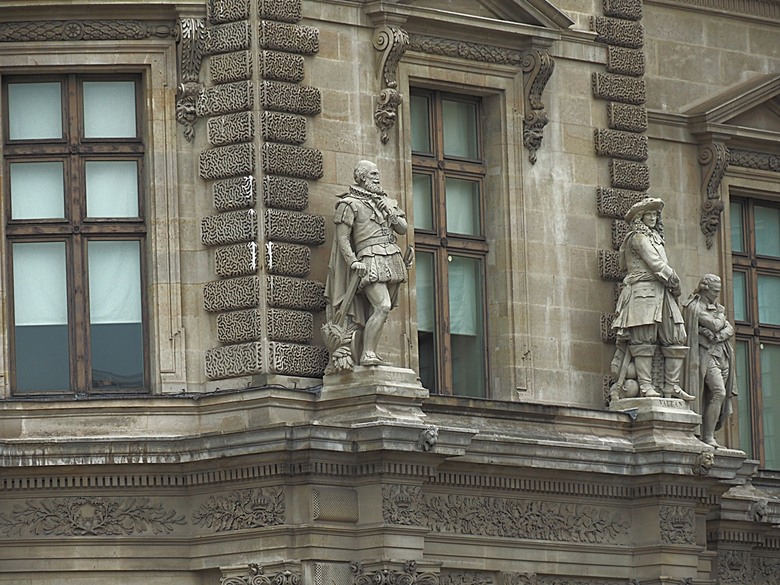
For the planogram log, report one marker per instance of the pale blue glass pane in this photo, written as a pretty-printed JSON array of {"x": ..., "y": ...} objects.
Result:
[
  {"x": 466, "y": 327},
  {"x": 767, "y": 231},
  {"x": 463, "y": 216},
  {"x": 421, "y": 134},
  {"x": 740, "y": 296},
  {"x": 426, "y": 340},
  {"x": 770, "y": 411},
  {"x": 737, "y": 232},
  {"x": 109, "y": 109},
  {"x": 423, "y": 201},
  {"x": 112, "y": 188},
  {"x": 35, "y": 111},
  {"x": 460, "y": 129},
  {"x": 769, "y": 299},
  {"x": 37, "y": 190},
  {"x": 744, "y": 405}
]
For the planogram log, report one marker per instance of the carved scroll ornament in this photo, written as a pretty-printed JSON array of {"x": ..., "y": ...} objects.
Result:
[
  {"x": 408, "y": 576},
  {"x": 537, "y": 68},
  {"x": 392, "y": 42},
  {"x": 191, "y": 40},
  {"x": 257, "y": 576},
  {"x": 713, "y": 158}
]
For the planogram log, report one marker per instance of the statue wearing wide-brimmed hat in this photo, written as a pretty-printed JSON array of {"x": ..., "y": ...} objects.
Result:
[{"x": 648, "y": 315}]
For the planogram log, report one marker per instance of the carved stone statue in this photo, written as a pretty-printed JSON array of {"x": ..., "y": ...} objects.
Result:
[
  {"x": 365, "y": 270},
  {"x": 648, "y": 316},
  {"x": 709, "y": 372}
]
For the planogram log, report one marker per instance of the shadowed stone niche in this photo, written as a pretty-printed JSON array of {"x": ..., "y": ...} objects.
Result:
[{"x": 258, "y": 166}]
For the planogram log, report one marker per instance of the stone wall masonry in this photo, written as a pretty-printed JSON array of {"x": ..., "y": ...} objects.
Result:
[{"x": 265, "y": 305}]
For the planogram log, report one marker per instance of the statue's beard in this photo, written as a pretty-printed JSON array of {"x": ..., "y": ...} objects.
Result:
[{"x": 374, "y": 188}]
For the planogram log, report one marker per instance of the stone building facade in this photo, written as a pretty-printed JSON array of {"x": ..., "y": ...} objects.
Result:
[{"x": 196, "y": 439}]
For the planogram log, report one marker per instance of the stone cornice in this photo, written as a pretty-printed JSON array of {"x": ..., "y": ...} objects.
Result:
[{"x": 756, "y": 10}]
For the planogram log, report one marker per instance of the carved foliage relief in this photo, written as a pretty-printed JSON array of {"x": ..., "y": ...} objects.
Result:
[
  {"x": 677, "y": 525},
  {"x": 392, "y": 42},
  {"x": 408, "y": 575},
  {"x": 239, "y": 510}
]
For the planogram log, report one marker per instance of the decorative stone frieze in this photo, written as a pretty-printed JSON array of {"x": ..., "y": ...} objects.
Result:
[
  {"x": 227, "y": 161},
  {"x": 231, "y": 128},
  {"x": 616, "y": 202},
  {"x": 285, "y": 193},
  {"x": 281, "y": 10},
  {"x": 627, "y": 117},
  {"x": 290, "y": 325},
  {"x": 239, "y": 326},
  {"x": 237, "y": 260},
  {"x": 292, "y": 359},
  {"x": 239, "y": 510},
  {"x": 626, "y": 145},
  {"x": 677, "y": 525},
  {"x": 231, "y": 67},
  {"x": 619, "y": 88},
  {"x": 292, "y": 161},
  {"x": 290, "y": 38},
  {"x": 628, "y": 9},
  {"x": 281, "y": 66},
  {"x": 221, "y": 11},
  {"x": 625, "y": 61},
  {"x": 403, "y": 504},
  {"x": 620, "y": 32},
  {"x": 227, "y": 38},
  {"x": 609, "y": 265},
  {"x": 232, "y": 361},
  {"x": 629, "y": 175},
  {"x": 751, "y": 159},
  {"x": 714, "y": 159},
  {"x": 191, "y": 46},
  {"x": 537, "y": 68},
  {"x": 467, "y": 578},
  {"x": 295, "y": 293},
  {"x": 231, "y": 294},
  {"x": 237, "y": 193},
  {"x": 84, "y": 30},
  {"x": 387, "y": 576},
  {"x": 294, "y": 227},
  {"x": 256, "y": 575},
  {"x": 334, "y": 505},
  {"x": 226, "y": 98},
  {"x": 464, "y": 50},
  {"x": 286, "y": 128},
  {"x": 392, "y": 42},
  {"x": 740, "y": 567},
  {"x": 287, "y": 259},
  {"x": 230, "y": 227},
  {"x": 287, "y": 97}
]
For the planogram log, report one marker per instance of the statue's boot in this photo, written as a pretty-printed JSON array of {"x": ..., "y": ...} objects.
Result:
[
  {"x": 674, "y": 358},
  {"x": 709, "y": 420},
  {"x": 643, "y": 361}
]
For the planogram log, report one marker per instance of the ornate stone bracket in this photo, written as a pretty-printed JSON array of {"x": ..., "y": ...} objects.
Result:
[
  {"x": 191, "y": 41},
  {"x": 713, "y": 158},
  {"x": 537, "y": 68},
  {"x": 408, "y": 575},
  {"x": 392, "y": 42}
]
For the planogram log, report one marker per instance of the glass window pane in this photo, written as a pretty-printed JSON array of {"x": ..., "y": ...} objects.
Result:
[
  {"x": 745, "y": 403},
  {"x": 770, "y": 408},
  {"x": 37, "y": 190},
  {"x": 112, "y": 188},
  {"x": 42, "y": 360},
  {"x": 737, "y": 232},
  {"x": 463, "y": 216},
  {"x": 460, "y": 129},
  {"x": 424, "y": 276},
  {"x": 35, "y": 111},
  {"x": 767, "y": 231},
  {"x": 740, "y": 296},
  {"x": 115, "y": 314},
  {"x": 423, "y": 201},
  {"x": 769, "y": 299},
  {"x": 466, "y": 327},
  {"x": 421, "y": 134},
  {"x": 109, "y": 109}
]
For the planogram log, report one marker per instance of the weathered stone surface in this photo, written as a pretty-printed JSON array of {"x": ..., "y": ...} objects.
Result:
[
  {"x": 281, "y": 66},
  {"x": 293, "y": 359},
  {"x": 231, "y": 294},
  {"x": 609, "y": 265},
  {"x": 295, "y": 293},
  {"x": 236, "y": 193},
  {"x": 231, "y": 67},
  {"x": 625, "y": 61},
  {"x": 289, "y": 325},
  {"x": 232, "y": 361},
  {"x": 221, "y": 11},
  {"x": 627, "y": 145},
  {"x": 236, "y": 260},
  {"x": 226, "y": 38},
  {"x": 231, "y": 128},
  {"x": 292, "y": 161},
  {"x": 628, "y": 9},
  {"x": 287, "y": 259},
  {"x": 627, "y": 117},
  {"x": 615, "y": 31},
  {"x": 629, "y": 175},
  {"x": 294, "y": 227},
  {"x": 285, "y": 128},
  {"x": 290, "y": 38},
  {"x": 616, "y": 202},
  {"x": 223, "y": 99},
  {"x": 281, "y": 10},
  {"x": 619, "y": 88},
  {"x": 229, "y": 228},
  {"x": 285, "y": 193},
  {"x": 228, "y": 161},
  {"x": 240, "y": 326},
  {"x": 294, "y": 99}
]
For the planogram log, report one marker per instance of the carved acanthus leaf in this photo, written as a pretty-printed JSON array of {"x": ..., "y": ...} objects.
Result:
[
  {"x": 242, "y": 509},
  {"x": 408, "y": 575},
  {"x": 392, "y": 42},
  {"x": 191, "y": 39},
  {"x": 714, "y": 159},
  {"x": 537, "y": 68},
  {"x": 82, "y": 30}
]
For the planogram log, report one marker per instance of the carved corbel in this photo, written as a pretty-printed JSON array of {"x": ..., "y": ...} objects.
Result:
[
  {"x": 537, "y": 68},
  {"x": 191, "y": 41},
  {"x": 713, "y": 158},
  {"x": 392, "y": 41}
]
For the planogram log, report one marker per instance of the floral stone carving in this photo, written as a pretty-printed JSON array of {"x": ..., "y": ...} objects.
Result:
[
  {"x": 257, "y": 576},
  {"x": 407, "y": 576},
  {"x": 537, "y": 68},
  {"x": 254, "y": 508},
  {"x": 392, "y": 42}
]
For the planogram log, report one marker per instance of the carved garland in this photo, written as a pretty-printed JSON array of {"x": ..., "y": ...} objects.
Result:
[
  {"x": 242, "y": 509},
  {"x": 191, "y": 40},
  {"x": 82, "y": 30},
  {"x": 407, "y": 576},
  {"x": 257, "y": 576},
  {"x": 392, "y": 42}
]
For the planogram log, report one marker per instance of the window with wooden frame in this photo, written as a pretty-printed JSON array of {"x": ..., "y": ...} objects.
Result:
[
  {"x": 449, "y": 232},
  {"x": 755, "y": 254},
  {"x": 75, "y": 234}
]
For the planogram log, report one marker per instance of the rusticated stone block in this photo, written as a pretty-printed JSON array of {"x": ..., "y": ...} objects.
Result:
[
  {"x": 294, "y": 227},
  {"x": 224, "y": 99},
  {"x": 227, "y": 161},
  {"x": 285, "y": 193},
  {"x": 628, "y": 9},
  {"x": 609, "y": 265},
  {"x": 614, "y": 143},
  {"x": 231, "y": 128},
  {"x": 293, "y": 99},
  {"x": 232, "y": 361},
  {"x": 230, "y": 227},
  {"x": 619, "y": 88},
  {"x": 221, "y": 11},
  {"x": 292, "y": 359},
  {"x": 625, "y": 61},
  {"x": 282, "y": 10},
  {"x": 607, "y": 333},
  {"x": 619, "y": 231},
  {"x": 289, "y": 325},
  {"x": 237, "y": 193},
  {"x": 286, "y": 128},
  {"x": 226, "y": 38},
  {"x": 292, "y": 161},
  {"x": 281, "y": 66},
  {"x": 231, "y": 67},
  {"x": 287, "y": 259},
  {"x": 290, "y": 38},
  {"x": 629, "y": 175},
  {"x": 616, "y": 202},
  {"x": 240, "y": 326},
  {"x": 295, "y": 293},
  {"x": 627, "y": 117},
  {"x": 615, "y": 31},
  {"x": 231, "y": 294},
  {"x": 236, "y": 260}
]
